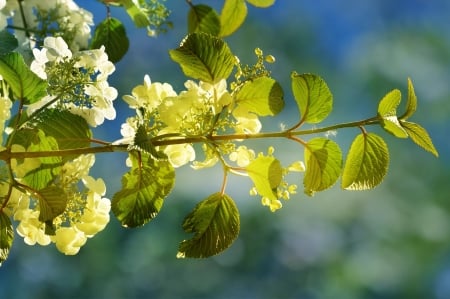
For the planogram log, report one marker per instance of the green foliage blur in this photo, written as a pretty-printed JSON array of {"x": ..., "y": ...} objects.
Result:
[{"x": 390, "y": 242}]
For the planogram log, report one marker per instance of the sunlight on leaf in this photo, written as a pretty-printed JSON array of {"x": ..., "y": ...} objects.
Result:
[
  {"x": 204, "y": 57},
  {"x": 144, "y": 189},
  {"x": 367, "y": 163},
  {"x": 266, "y": 174},
  {"x": 323, "y": 159},
  {"x": 420, "y": 136},
  {"x": 232, "y": 16},
  {"x": 262, "y": 96},
  {"x": 203, "y": 18},
  {"x": 215, "y": 224},
  {"x": 313, "y": 97}
]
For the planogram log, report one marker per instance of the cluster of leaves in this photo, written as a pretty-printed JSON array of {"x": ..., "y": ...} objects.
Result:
[{"x": 57, "y": 136}]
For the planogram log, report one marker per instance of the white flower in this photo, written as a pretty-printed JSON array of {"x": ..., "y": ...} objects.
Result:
[
  {"x": 68, "y": 240},
  {"x": 242, "y": 156},
  {"x": 149, "y": 95},
  {"x": 97, "y": 60},
  {"x": 38, "y": 64},
  {"x": 56, "y": 48},
  {"x": 73, "y": 171},
  {"x": 247, "y": 122},
  {"x": 180, "y": 154},
  {"x": 30, "y": 228},
  {"x": 95, "y": 215}
]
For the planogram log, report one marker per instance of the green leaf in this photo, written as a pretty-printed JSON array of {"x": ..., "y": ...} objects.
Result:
[
  {"x": 8, "y": 42},
  {"x": 387, "y": 112},
  {"x": 266, "y": 173},
  {"x": 262, "y": 96},
  {"x": 52, "y": 203},
  {"x": 215, "y": 224},
  {"x": 50, "y": 166},
  {"x": 6, "y": 236},
  {"x": 313, "y": 97},
  {"x": 232, "y": 16},
  {"x": 25, "y": 84},
  {"x": 420, "y": 136},
  {"x": 69, "y": 130},
  {"x": 367, "y": 163},
  {"x": 144, "y": 189},
  {"x": 136, "y": 13},
  {"x": 142, "y": 142},
  {"x": 111, "y": 34},
  {"x": 411, "y": 104},
  {"x": 204, "y": 57},
  {"x": 323, "y": 159},
  {"x": 261, "y": 3},
  {"x": 203, "y": 18}
]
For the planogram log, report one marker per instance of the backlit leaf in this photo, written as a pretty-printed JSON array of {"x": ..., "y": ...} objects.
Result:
[
  {"x": 215, "y": 224},
  {"x": 411, "y": 104},
  {"x": 50, "y": 166},
  {"x": 203, "y": 18},
  {"x": 266, "y": 173},
  {"x": 111, "y": 34},
  {"x": 420, "y": 136},
  {"x": 387, "y": 112},
  {"x": 6, "y": 236},
  {"x": 52, "y": 203},
  {"x": 25, "y": 84},
  {"x": 262, "y": 96},
  {"x": 367, "y": 163},
  {"x": 204, "y": 57},
  {"x": 323, "y": 159},
  {"x": 144, "y": 189},
  {"x": 261, "y": 3},
  {"x": 232, "y": 16},
  {"x": 313, "y": 97}
]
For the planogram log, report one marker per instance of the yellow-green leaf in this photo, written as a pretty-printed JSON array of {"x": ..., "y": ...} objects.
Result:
[
  {"x": 323, "y": 159},
  {"x": 203, "y": 18},
  {"x": 367, "y": 163},
  {"x": 262, "y": 96},
  {"x": 25, "y": 85},
  {"x": 215, "y": 224},
  {"x": 420, "y": 136},
  {"x": 387, "y": 112},
  {"x": 232, "y": 16},
  {"x": 261, "y": 3},
  {"x": 313, "y": 97},
  {"x": 411, "y": 104},
  {"x": 204, "y": 57},
  {"x": 144, "y": 189},
  {"x": 266, "y": 173}
]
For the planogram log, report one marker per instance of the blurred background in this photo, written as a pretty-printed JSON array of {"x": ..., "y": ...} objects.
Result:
[{"x": 390, "y": 242}]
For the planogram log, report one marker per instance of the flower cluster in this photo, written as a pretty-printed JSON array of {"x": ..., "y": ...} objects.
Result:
[
  {"x": 190, "y": 113},
  {"x": 63, "y": 17},
  {"x": 76, "y": 81},
  {"x": 281, "y": 192},
  {"x": 86, "y": 212}
]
